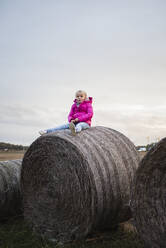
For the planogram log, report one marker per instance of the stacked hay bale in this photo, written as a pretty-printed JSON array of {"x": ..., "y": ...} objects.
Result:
[
  {"x": 10, "y": 194},
  {"x": 149, "y": 197},
  {"x": 75, "y": 184}
]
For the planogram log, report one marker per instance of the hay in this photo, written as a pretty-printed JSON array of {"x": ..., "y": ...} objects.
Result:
[
  {"x": 149, "y": 197},
  {"x": 10, "y": 195},
  {"x": 73, "y": 185}
]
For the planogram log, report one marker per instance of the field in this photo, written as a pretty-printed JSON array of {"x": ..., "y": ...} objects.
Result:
[
  {"x": 15, "y": 233},
  {"x": 142, "y": 154},
  {"x": 11, "y": 155},
  {"x": 19, "y": 154}
]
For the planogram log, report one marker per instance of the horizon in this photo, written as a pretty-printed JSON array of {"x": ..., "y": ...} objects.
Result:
[{"x": 139, "y": 145}]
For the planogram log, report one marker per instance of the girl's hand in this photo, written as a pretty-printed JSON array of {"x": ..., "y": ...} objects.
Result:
[{"x": 76, "y": 120}]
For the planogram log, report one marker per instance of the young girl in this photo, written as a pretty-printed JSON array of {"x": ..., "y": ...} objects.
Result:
[{"x": 79, "y": 117}]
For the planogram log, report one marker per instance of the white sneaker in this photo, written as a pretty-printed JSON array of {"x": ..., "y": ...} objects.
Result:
[
  {"x": 72, "y": 128},
  {"x": 42, "y": 132}
]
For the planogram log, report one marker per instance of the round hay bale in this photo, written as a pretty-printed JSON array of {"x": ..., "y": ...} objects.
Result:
[
  {"x": 10, "y": 195},
  {"x": 75, "y": 184},
  {"x": 149, "y": 197}
]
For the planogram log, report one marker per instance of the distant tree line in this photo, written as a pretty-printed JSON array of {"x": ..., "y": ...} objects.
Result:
[
  {"x": 8, "y": 146},
  {"x": 147, "y": 147}
]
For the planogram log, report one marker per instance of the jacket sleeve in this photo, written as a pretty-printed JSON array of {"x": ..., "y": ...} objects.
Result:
[
  {"x": 88, "y": 115},
  {"x": 71, "y": 113}
]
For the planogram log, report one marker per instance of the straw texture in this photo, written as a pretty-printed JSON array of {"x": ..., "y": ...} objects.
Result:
[
  {"x": 73, "y": 185},
  {"x": 149, "y": 197},
  {"x": 10, "y": 195}
]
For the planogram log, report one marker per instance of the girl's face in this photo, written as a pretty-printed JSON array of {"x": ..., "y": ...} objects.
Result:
[{"x": 80, "y": 97}]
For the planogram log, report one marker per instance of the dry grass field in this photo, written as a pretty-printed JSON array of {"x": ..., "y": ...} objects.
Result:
[
  {"x": 19, "y": 154},
  {"x": 11, "y": 155},
  {"x": 142, "y": 154}
]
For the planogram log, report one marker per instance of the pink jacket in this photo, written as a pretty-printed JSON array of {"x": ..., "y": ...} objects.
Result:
[{"x": 83, "y": 112}]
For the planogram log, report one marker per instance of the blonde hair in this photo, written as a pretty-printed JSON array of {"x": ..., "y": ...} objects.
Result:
[{"x": 83, "y": 92}]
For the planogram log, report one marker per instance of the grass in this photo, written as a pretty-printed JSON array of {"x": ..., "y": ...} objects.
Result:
[
  {"x": 16, "y": 234},
  {"x": 11, "y": 155}
]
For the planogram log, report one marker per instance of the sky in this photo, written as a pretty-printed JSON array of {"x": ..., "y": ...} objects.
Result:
[{"x": 114, "y": 50}]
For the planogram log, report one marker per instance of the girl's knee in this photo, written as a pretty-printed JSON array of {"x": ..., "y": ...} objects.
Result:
[
  {"x": 78, "y": 128},
  {"x": 81, "y": 126}
]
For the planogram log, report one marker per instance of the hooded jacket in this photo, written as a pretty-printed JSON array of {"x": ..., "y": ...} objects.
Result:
[{"x": 83, "y": 112}]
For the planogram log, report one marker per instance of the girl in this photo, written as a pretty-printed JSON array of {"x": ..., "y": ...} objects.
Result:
[{"x": 79, "y": 117}]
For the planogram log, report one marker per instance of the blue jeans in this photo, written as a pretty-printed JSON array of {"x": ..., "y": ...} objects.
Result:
[{"x": 78, "y": 127}]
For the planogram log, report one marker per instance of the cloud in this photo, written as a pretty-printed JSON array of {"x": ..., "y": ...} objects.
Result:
[
  {"x": 29, "y": 116},
  {"x": 20, "y": 124},
  {"x": 141, "y": 124}
]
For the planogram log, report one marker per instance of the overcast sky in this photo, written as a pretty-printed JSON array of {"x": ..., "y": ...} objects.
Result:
[{"x": 114, "y": 50}]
